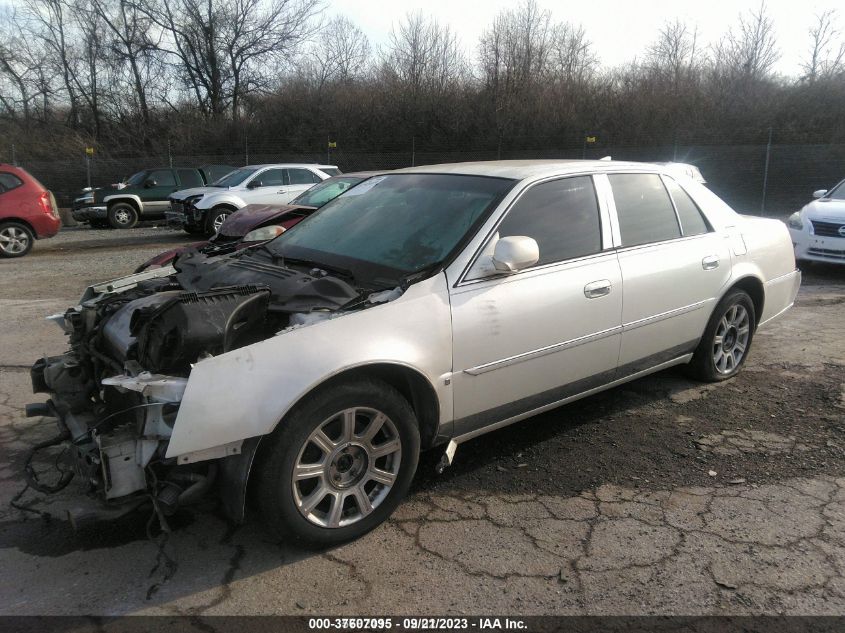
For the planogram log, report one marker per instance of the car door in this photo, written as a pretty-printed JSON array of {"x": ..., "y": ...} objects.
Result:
[
  {"x": 525, "y": 340},
  {"x": 267, "y": 187},
  {"x": 674, "y": 268},
  {"x": 299, "y": 180},
  {"x": 158, "y": 184}
]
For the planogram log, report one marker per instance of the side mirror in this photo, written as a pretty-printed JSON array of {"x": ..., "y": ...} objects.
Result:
[
  {"x": 819, "y": 193},
  {"x": 515, "y": 253},
  {"x": 149, "y": 183},
  {"x": 254, "y": 183}
]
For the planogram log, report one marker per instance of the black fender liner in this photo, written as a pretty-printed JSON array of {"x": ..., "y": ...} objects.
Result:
[{"x": 233, "y": 479}]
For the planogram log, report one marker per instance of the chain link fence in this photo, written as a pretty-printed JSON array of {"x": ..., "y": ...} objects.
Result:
[{"x": 756, "y": 178}]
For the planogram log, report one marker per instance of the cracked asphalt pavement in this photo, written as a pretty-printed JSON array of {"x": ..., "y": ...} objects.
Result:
[{"x": 663, "y": 496}]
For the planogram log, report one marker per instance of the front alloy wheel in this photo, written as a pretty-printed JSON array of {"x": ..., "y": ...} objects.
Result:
[
  {"x": 339, "y": 463},
  {"x": 347, "y": 467}
]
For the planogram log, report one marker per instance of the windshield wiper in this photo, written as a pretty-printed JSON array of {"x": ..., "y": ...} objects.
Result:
[{"x": 281, "y": 260}]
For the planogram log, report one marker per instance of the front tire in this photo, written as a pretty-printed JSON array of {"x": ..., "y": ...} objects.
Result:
[
  {"x": 123, "y": 215},
  {"x": 15, "y": 239},
  {"x": 727, "y": 339},
  {"x": 339, "y": 464},
  {"x": 215, "y": 219}
]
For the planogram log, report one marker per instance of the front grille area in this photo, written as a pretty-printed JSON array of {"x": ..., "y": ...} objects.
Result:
[
  {"x": 828, "y": 253},
  {"x": 176, "y": 207},
  {"x": 828, "y": 229}
]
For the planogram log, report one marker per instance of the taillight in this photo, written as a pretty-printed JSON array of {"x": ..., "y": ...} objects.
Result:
[{"x": 48, "y": 204}]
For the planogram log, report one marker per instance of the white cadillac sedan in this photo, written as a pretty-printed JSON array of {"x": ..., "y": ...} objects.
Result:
[
  {"x": 418, "y": 310},
  {"x": 818, "y": 230}
]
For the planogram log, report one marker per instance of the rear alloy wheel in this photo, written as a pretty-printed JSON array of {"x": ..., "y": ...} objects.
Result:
[
  {"x": 15, "y": 239},
  {"x": 216, "y": 217},
  {"x": 727, "y": 339},
  {"x": 339, "y": 465},
  {"x": 123, "y": 215}
]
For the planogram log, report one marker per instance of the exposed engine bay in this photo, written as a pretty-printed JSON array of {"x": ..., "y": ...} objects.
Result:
[{"x": 133, "y": 342}]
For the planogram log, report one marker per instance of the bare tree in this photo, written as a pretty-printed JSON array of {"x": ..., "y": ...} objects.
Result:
[
  {"x": 513, "y": 55},
  {"x": 750, "y": 52},
  {"x": 675, "y": 55},
  {"x": 341, "y": 52},
  {"x": 825, "y": 60},
  {"x": 221, "y": 47},
  {"x": 572, "y": 59},
  {"x": 132, "y": 43}
]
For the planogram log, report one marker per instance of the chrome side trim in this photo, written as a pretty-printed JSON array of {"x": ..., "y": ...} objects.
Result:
[
  {"x": 680, "y": 360},
  {"x": 550, "y": 349},
  {"x": 656, "y": 318}
]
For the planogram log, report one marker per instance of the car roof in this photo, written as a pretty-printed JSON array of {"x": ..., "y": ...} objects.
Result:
[
  {"x": 522, "y": 169},
  {"x": 318, "y": 166}
]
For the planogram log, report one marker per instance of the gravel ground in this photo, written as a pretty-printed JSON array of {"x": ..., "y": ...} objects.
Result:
[{"x": 662, "y": 496}]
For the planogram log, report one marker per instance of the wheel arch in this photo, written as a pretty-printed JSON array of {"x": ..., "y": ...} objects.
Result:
[
  {"x": 17, "y": 220},
  {"x": 754, "y": 287},
  {"x": 409, "y": 382},
  {"x": 135, "y": 201}
]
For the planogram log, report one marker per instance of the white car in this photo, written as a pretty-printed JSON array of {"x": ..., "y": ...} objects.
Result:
[
  {"x": 419, "y": 309},
  {"x": 203, "y": 209},
  {"x": 818, "y": 230}
]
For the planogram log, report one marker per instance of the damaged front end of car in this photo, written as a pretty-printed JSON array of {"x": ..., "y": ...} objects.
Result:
[{"x": 117, "y": 391}]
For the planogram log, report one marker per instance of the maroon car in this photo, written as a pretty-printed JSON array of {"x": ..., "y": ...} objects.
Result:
[
  {"x": 27, "y": 212},
  {"x": 257, "y": 223}
]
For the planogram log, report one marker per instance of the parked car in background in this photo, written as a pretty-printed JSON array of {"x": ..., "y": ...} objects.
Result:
[
  {"x": 27, "y": 212},
  {"x": 421, "y": 308},
  {"x": 141, "y": 196},
  {"x": 203, "y": 210},
  {"x": 257, "y": 223},
  {"x": 818, "y": 230}
]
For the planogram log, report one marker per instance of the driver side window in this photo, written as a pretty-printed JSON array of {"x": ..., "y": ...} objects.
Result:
[{"x": 561, "y": 215}]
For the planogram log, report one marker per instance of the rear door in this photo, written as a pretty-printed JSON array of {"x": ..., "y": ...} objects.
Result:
[
  {"x": 674, "y": 268},
  {"x": 299, "y": 180},
  {"x": 155, "y": 197}
]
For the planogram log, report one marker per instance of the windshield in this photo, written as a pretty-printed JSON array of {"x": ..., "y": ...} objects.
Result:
[
  {"x": 393, "y": 226},
  {"x": 837, "y": 193},
  {"x": 328, "y": 190},
  {"x": 136, "y": 179},
  {"x": 235, "y": 178}
]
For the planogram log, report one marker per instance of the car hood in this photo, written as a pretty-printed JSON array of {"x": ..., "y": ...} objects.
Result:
[
  {"x": 194, "y": 191},
  {"x": 825, "y": 209},
  {"x": 252, "y": 216}
]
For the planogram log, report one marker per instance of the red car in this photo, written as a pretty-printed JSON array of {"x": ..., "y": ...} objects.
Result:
[{"x": 27, "y": 212}]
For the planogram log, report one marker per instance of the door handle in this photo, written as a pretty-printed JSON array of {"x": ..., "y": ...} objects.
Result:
[
  {"x": 597, "y": 289},
  {"x": 710, "y": 262}
]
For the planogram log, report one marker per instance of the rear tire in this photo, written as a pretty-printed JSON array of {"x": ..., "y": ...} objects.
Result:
[
  {"x": 726, "y": 341},
  {"x": 123, "y": 215},
  {"x": 16, "y": 239},
  {"x": 355, "y": 446}
]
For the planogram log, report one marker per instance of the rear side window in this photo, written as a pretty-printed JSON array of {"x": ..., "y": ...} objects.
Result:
[
  {"x": 692, "y": 220},
  {"x": 562, "y": 215},
  {"x": 9, "y": 181},
  {"x": 190, "y": 178},
  {"x": 302, "y": 177},
  {"x": 162, "y": 178},
  {"x": 645, "y": 211}
]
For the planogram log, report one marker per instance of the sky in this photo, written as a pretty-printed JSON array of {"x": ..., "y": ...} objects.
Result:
[{"x": 620, "y": 29}]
